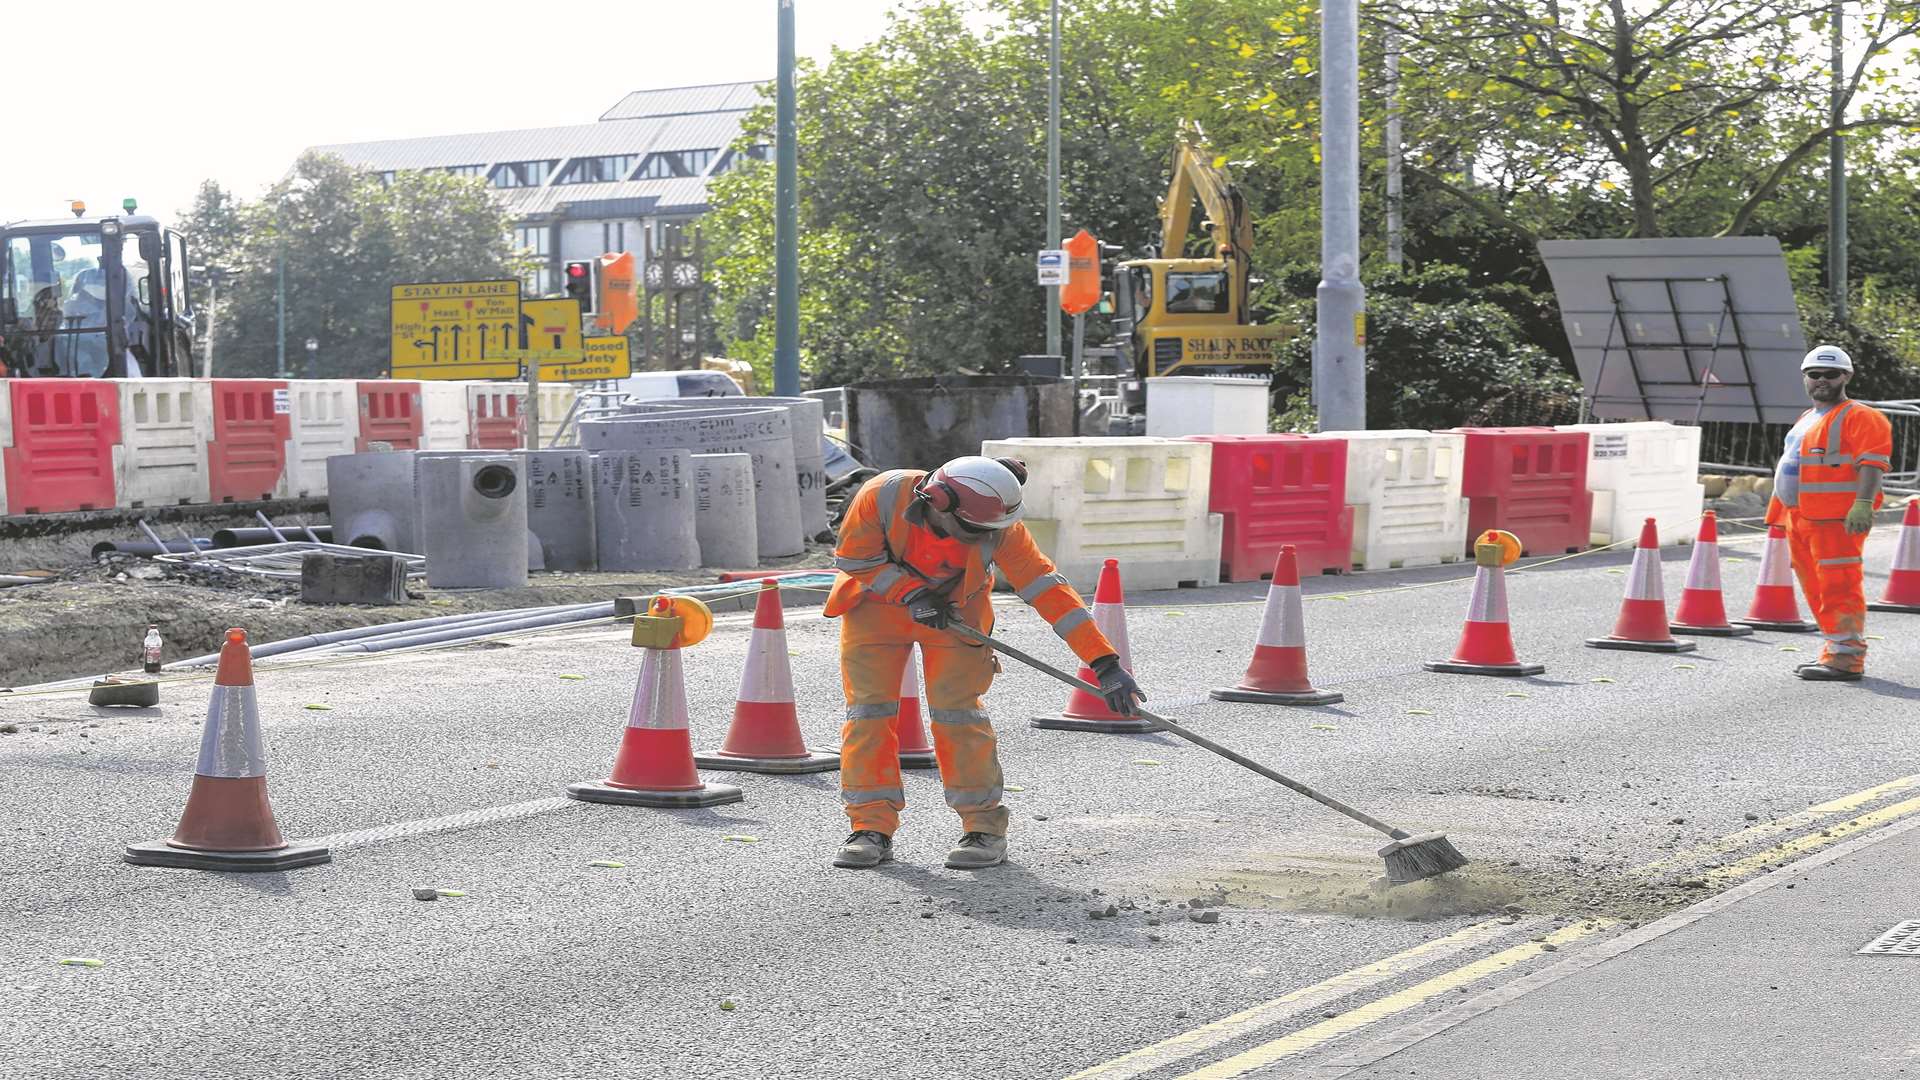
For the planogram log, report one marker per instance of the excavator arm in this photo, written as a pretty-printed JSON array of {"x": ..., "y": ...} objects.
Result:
[{"x": 1197, "y": 178}]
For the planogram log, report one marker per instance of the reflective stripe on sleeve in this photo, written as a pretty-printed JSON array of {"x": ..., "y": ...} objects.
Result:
[
  {"x": 888, "y": 500},
  {"x": 1071, "y": 621},
  {"x": 854, "y": 566},
  {"x": 1826, "y": 486},
  {"x": 1853, "y": 561},
  {"x": 884, "y": 581},
  {"x": 1039, "y": 585}
]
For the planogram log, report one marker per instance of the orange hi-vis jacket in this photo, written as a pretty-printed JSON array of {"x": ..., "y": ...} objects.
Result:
[
  {"x": 1830, "y": 466},
  {"x": 883, "y": 556}
]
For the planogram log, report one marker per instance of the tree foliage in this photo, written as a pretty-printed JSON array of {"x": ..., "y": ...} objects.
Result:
[{"x": 344, "y": 238}]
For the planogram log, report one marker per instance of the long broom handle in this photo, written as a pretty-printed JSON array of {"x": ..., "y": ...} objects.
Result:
[{"x": 1201, "y": 741}]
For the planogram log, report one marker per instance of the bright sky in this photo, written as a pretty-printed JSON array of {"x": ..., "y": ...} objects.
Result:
[{"x": 233, "y": 91}]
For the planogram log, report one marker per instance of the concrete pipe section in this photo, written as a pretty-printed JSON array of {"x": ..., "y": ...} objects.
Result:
[
  {"x": 764, "y": 434},
  {"x": 473, "y": 520},
  {"x": 643, "y": 510},
  {"x": 808, "y": 417},
  {"x": 370, "y": 499},
  {"x": 560, "y": 507},
  {"x": 723, "y": 515}
]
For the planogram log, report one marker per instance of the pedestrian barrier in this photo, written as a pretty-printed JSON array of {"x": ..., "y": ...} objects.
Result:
[
  {"x": 916, "y": 750},
  {"x": 60, "y": 453},
  {"x": 1642, "y": 625},
  {"x": 1087, "y": 711},
  {"x": 252, "y": 426},
  {"x": 1278, "y": 673},
  {"x": 1531, "y": 482},
  {"x": 556, "y": 400},
  {"x": 324, "y": 419},
  {"x": 765, "y": 734},
  {"x": 1404, "y": 490},
  {"x": 654, "y": 765},
  {"x": 443, "y": 416},
  {"x": 6, "y": 442},
  {"x": 1640, "y": 470},
  {"x": 1702, "y": 608},
  {"x": 228, "y": 823},
  {"x": 1903, "y": 581},
  {"x": 389, "y": 413},
  {"x": 493, "y": 416},
  {"x": 165, "y": 426},
  {"x": 1142, "y": 500},
  {"x": 1273, "y": 491}
]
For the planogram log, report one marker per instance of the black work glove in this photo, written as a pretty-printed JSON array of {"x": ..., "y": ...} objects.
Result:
[
  {"x": 929, "y": 609},
  {"x": 1116, "y": 685}
]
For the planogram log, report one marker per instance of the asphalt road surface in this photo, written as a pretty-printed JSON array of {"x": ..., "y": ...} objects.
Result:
[{"x": 1611, "y": 792}]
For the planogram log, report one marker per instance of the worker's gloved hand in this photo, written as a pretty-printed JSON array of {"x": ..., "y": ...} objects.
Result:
[
  {"x": 1860, "y": 518},
  {"x": 1116, "y": 685},
  {"x": 929, "y": 609}
]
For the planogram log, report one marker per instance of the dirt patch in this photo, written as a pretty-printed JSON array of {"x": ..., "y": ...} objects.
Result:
[{"x": 89, "y": 619}]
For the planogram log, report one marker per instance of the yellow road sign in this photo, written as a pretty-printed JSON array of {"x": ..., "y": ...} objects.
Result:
[
  {"x": 604, "y": 358},
  {"x": 454, "y": 330},
  {"x": 551, "y": 325}
]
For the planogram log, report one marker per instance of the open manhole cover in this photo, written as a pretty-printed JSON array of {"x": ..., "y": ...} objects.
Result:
[{"x": 1902, "y": 940}]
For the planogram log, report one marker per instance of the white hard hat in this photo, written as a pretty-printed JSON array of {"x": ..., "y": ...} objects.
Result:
[
  {"x": 982, "y": 492},
  {"x": 1827, "y": 356}
]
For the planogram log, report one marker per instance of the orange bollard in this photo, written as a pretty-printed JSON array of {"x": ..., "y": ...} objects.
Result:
[
  {"x": 228, "y": 823},
  {"x": 1642, "y": 625},
  {"x": 765, "y": 735},
  {"x": 1702, "y": 609},
  {"x": 1774, "y": 605},
  {"x": 1088, "y": 711},
  {"x": 1278, "y": 673}
]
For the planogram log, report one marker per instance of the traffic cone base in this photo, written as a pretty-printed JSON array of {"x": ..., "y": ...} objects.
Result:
[
  {"x": 918, "y": 759},
  {"x": 1670, "y": 645},
  {"x": 1908, "y": 609},
  {"x": 164, "y": 853},
  {"x": 605, "y": 792},
  {"x": 1458, "y": 667},
  {"x": 1729, "y": 630},
  {"x": 1119, "y": 726},
  {"x": 1276, "y": 697},
  {"x": 814, "y": 760},
  {"x": 1800, "y": 626}
]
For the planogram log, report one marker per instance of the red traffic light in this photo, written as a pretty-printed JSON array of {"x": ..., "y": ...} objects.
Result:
[{"x": 576, "y": 270}]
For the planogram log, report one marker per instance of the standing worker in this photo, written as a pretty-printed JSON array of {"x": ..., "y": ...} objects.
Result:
[
  {"x": 1825, "y": 491},
  {"x": 915, "y": 555}
]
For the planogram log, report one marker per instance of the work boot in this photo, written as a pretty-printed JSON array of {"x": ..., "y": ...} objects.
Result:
[
  {"x": 864, "y": 849},
  {"x": 977, "y": 851},
  {"x": 1823, "y": 673}
]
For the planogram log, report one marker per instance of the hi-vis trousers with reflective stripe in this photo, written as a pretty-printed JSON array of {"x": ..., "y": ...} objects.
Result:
[
  {"x": 875, "y": 641},
  {"x": 1826, "y": 559}
]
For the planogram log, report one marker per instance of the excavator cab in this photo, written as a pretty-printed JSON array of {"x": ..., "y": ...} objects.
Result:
[{"x": 92, "y": 298}]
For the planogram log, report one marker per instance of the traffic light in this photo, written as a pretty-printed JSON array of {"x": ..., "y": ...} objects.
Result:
[{"x": 580, "y": 284}]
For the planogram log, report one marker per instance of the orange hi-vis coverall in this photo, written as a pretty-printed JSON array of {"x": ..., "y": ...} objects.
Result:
[
  {"x": 1826, "y": 557},
  {"x": 886, "y": 552}
]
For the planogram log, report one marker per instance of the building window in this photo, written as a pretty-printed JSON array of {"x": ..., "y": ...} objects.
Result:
[
  {"x": 613, "y": 236},
  {"x": 597, "y": 170},
  {"x": 533, "y": 242},
  {"x": 385, "y": 178},
  {"x": 669, "y": 164},
  {"x": 466, "y": 170},
  {"x": 519, "y": 174},
  {"x": 738, "y": 159}
]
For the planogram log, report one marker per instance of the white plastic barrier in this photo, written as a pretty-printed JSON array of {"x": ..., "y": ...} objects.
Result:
[
  {"x": 1404, "y": 487},
  {"x": 1207, "y": 405},
  {"x": 494, "y": 419},
  {"x": 325, "y": 420},
  {"x": 443, "y": 415},
  {"x": 1640, "y": 470},
  {"x": 165, "y": 426},
  {"x": 1142, "y": 501},
  {"x": 6, "y": 439},
  {"x": 556, "y": 398}
]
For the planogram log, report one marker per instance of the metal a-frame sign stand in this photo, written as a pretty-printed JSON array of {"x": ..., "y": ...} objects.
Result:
[{"x": 1726, "y": 337}]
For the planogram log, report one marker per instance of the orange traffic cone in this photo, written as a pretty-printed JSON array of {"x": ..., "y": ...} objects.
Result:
[
  {"x": 1642, "y": 625},
  {"x": 915, "y": 751},
  {"x": 1087, "y": 711},
  {"x": 1903, "y": 584},
  {"x": 765, "y": 736},
  {"x": 1774, "y": 605},
  {"x": 1278, "y": 673},
  {"x": 228, "y": 823},
  {"x": 1486, "y": 641},
  {"x": 1702, "y": 610},
  {"x": 654, "y": 766}
]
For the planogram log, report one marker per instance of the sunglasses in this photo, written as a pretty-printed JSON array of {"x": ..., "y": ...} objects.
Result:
[
  {"x": 969, "y": 527},
  {"x": 1823, "y": 376}
]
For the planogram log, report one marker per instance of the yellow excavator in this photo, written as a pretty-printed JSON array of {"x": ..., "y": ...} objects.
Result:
[{"x": 1188, "y": 316}]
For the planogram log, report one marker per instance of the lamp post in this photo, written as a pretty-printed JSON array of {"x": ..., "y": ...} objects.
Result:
[
  {"x": 1340, "y": 338},
  {"x": 786, "y": 218}
]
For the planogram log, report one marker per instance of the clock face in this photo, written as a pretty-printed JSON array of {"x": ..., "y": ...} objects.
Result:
[
  {"x": 655, "y": 275},
  {"x": 686, "y": 274}
]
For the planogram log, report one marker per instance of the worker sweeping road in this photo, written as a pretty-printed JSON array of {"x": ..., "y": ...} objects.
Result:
[
  {"x": 1825, "y": 491},
  {"x": 916, "y": 554}
]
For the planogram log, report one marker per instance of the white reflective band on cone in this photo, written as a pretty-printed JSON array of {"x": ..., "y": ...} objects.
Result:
[
  {"x": 1643, "y": 581},
  {"x": 910, "y": 678},
  {"x": 1775, "y": 566},
  {"x": 1111, "y": 619},
  {"x": 1489, "y": 603},
  {"x": 1703, "y": 571},
  {"x": 1281, "y": 626},
  {"x": 1906, "y": 554},
  {"x": 230, "y": 741},
  {"x": 660, "y": 698},
  {"x": 768, "y": 675}
]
